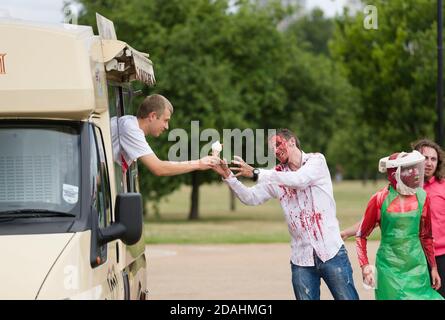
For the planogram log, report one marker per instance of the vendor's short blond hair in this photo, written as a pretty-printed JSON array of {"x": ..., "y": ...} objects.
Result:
[{"x": 154, "y": 103}]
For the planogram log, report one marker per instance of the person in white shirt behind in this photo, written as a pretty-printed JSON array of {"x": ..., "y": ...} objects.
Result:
[
  {"x": 302, "y": 183},
  {"x": 129, "y": 143}
]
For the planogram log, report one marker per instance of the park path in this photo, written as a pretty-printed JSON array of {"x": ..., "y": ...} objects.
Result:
[{"x": 235, "y": 271}]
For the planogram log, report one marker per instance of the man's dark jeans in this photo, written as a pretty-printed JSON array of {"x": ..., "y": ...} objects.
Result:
[{"x": 336, "y": 272}]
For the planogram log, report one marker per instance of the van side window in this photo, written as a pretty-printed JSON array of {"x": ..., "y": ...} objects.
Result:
[
  {"x": 116, "y": 110},
  {"x": 100, "y": 184},
  {"x": 133, "y": 181},
  {"x": 120, "y": 101}
]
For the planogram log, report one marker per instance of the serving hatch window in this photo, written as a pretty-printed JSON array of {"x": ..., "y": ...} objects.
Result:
[{"x": 39, "y": 168}]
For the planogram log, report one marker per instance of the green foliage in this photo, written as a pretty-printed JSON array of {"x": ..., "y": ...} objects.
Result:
[
  {"x": 394, "y": 70},
  {"x": 313, "y": 31}
]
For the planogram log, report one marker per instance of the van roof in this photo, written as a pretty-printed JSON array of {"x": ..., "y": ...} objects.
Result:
[
  {"x": 58, "y": 70},
  {"x": 54, "y": 27}
]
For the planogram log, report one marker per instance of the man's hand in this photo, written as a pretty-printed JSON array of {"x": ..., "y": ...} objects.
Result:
[
  {"x": 350, "y": 232},
  {"x": 208, "y": 162},
  {"x": 435, "y": 279},
  {"x": 368, "y": 275},
  {"x": 242, "y": 167},
  {"x": 222, "y": 169}
]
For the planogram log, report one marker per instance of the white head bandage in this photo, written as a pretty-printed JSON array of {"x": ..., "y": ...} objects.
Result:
[{"x": 409, "y": 173}]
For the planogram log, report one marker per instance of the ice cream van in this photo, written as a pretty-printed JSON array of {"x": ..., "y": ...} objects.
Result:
[{"x": 71, "y": 222}]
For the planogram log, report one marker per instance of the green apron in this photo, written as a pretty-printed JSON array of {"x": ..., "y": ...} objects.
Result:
[{"x": 402, "y": 271}]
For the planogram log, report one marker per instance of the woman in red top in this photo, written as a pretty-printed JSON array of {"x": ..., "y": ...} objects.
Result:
[
  {"x": 434, "y": 185},
  {"x": 402, "y": 211}
]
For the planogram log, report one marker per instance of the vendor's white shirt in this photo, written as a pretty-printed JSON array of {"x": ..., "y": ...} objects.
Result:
[
  {"x": 306, "y": 197},
  {"x": 129, "y": 140}
]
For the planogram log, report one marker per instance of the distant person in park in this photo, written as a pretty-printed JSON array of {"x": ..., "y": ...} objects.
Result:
[
  {"x": 129, "y": 143},
  {"x": 303, "y": 185},
  {"x": 402, "y": 210},
  {"x": 339, "y": 173},
  {"x": 435, "y": 188}
]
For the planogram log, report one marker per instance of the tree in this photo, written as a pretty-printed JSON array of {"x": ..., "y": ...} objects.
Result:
[
  {"x": 313, "y": 31},
  {"x": 393, "y": 68}
]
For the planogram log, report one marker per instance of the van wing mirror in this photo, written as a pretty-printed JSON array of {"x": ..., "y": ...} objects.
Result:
[
  {"x": 129, "y": 213},
  {"x": 129, "y": 222}
]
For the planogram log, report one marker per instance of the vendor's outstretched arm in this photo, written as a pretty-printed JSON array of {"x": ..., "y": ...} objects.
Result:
[{"x": 170, "y": 168}]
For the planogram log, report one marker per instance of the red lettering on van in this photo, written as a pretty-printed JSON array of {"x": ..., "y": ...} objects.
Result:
[{"x": 2, "y": 63}]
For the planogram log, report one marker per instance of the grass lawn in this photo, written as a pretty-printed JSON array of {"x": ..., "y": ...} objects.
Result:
[{"x": 260, "y": 224}]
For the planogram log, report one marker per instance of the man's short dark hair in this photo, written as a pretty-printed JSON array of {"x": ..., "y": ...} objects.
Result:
[
  {"x": 154, "y": 103},
  {"x": 287, "y": 135},
  {"x": 420, "y": 144}
]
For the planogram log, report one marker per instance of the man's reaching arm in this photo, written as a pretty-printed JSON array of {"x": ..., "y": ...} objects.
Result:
[
  {"x": 314, "y": 170},
  {"x": 309, "y": 174},
  {"x": 253, "y": 196}
]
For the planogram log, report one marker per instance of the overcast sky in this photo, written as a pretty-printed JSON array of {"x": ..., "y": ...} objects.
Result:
[{"x": 51, "y": 10}]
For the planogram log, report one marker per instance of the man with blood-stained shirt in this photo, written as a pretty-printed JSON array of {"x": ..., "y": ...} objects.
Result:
[{"x": 302, "y": 184}]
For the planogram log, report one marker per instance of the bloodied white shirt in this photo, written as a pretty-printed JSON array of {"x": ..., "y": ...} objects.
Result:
[{"x": 308, "y": 203}]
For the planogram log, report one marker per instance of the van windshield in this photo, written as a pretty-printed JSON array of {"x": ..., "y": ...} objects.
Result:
[{"x": 39, "y": 169}]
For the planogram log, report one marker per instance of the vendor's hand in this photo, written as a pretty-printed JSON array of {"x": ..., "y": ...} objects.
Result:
[
  {"x": 216, "y": 153},
  {"x": 344, "y": 235},
  {"x": 221, "y": 168},
  {"x": 208, "y": 162},
  {"x": 242, "y": 168},
  {"x": 368, "y": 275},
  {"x": 435, "y": 279}
]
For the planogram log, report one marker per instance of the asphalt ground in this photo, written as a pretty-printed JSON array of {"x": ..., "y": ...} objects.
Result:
[{"x": 232, "y": 272}]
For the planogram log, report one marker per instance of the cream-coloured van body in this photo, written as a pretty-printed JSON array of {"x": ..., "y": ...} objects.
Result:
[
  {"x": 56, "y": 75},
  {"x": 47, "y": 70},
  {"x": 54, "y": 266},
  {"x": 72, "y": 277},
  {"x": 26, "y": 262}
]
